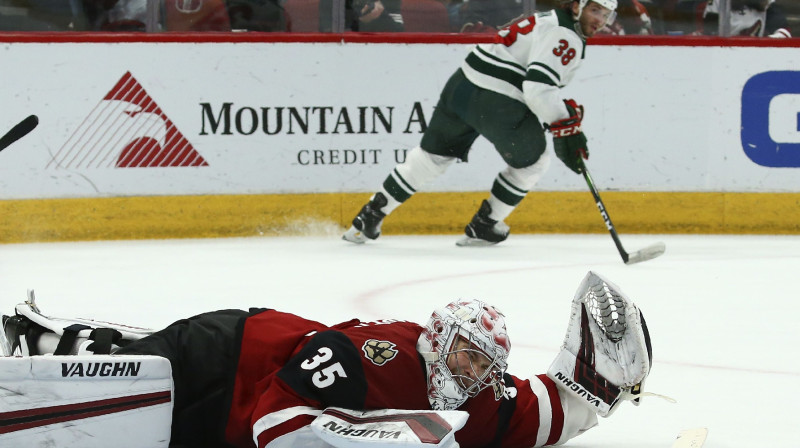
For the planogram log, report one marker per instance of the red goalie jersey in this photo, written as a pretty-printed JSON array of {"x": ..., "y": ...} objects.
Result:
[{"x": 290, "y": 369}]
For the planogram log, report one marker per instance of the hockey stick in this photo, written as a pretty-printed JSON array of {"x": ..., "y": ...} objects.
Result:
[
  {"x": 648, "y": 253},
  {"x": 20, "y": 130}
]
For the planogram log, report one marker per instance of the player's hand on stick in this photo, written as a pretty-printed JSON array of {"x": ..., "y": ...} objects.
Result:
[{"x": 568, "y": 139}]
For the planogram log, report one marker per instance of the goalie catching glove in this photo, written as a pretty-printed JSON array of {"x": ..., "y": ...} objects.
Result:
[
  {"x": 606, "y": 354},
  {"x": 568, "y": 139}
]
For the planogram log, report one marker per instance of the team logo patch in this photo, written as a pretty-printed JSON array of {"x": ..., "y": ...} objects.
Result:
[{"x": 379, "y": 352}]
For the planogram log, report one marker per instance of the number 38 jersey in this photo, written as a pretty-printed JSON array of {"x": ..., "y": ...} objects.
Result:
[
  {"x": 530, "y": 61},
  {"x": 290, "y": 369}
]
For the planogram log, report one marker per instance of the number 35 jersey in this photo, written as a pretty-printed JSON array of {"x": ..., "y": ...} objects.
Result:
[
  {"x": 530, "y": 61},
  {"x": 290, "y": 369}
]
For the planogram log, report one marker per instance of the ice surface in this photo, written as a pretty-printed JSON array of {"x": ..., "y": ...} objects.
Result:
[{"x": 721, "y": 309}]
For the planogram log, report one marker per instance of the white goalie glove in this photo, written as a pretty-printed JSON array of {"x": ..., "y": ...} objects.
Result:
[{"x": 606, "y": 354}]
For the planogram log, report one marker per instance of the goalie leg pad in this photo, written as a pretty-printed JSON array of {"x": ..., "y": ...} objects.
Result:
[
  {"x": 85, "y": 401},
  {"x": 606, "y": 355}
]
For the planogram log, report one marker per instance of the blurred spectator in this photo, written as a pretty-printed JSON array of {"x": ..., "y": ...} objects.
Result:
[
  {"x": 302, "y": 16},
  {"x": 487, "y": 16},
  {"x": 632, "y": 18},
  {"x": 476, "y": 15},
  {"x": 377, "y": 15},
  {"x": 675, "y": 17},
  {"x": 756, "y": 18},
  {"x": 256, "y": 15},
  {"x": 365, "y": 15},
  {"x": 121, "y": 15},
  {"x": 186, "y": 15},
  {"x": 96, "y": 12},
  {"x": 425, "y": 16},
  {"x": 453, "y": 13},
  {"x": 41, "y": 15}
]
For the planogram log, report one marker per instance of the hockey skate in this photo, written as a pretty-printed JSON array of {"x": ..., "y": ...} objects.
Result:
[
  {"x": 483, "y": 230},
  {"x": 367, "y": 224},
  {"x": 18, "y": 335},
  {"x": 6, "y": 348},
  {"x": 29, "y": 333}
]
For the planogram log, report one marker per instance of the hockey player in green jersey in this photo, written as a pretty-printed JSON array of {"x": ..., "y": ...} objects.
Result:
[{"x": 507, "y": 91}]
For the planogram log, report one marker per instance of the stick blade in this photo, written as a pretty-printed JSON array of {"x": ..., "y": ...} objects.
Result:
[
  {"x": 691, "y": 438},
  {"x": 648, "y": 253},
  {"x": 20, "y": 130}
]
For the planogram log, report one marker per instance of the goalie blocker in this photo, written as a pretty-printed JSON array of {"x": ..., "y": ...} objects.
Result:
[{"x": 606, "y": 355}]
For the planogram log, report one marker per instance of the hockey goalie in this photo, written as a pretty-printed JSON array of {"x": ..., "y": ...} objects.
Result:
[{"x": 265, "y": 378}]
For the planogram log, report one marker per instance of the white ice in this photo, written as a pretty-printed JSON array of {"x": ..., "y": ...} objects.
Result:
[{"x": 722, "y": 310}]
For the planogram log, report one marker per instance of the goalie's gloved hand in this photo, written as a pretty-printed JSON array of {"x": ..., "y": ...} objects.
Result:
[
  {"x": 568, "y": 139},
  {"x": 607, "y": 353}
]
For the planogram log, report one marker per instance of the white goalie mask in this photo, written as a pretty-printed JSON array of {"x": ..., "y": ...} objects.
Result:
[
  {"x": 611, "y": 5},
  {"x": 465, "y": 346}
]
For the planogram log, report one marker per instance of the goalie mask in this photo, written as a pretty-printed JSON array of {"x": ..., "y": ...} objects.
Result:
[{"x": 465, "y": 346}]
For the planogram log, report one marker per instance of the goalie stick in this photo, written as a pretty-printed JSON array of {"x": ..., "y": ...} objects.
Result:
[
  {"x": 20, "y": 130},
  {"x": 648, "y": 253}
]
